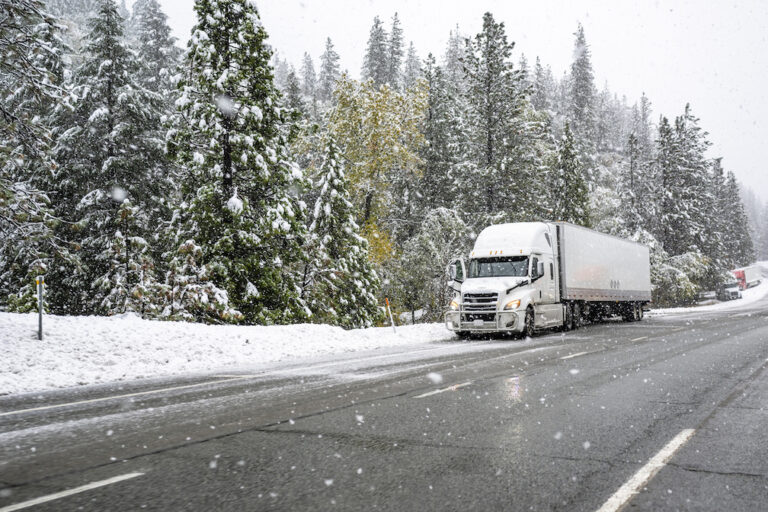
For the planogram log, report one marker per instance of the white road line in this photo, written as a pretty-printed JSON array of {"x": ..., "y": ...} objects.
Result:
[
  {"x": 577, "y": 354},
  {"x": 115, "y": 397},
  {"x": 627, "y": 491},
  {"x": 70, "y": 492},
  {"x": 640, "y": 338},
  {"x": 451, "y": 388}
]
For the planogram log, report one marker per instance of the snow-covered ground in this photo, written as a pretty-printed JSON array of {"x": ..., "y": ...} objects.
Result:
[{"x": 89, "y": 350}]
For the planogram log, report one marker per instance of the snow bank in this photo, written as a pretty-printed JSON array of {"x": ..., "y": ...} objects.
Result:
[
  {"x": 88, "y": 350},
  {"x": 749, "y": 296}
]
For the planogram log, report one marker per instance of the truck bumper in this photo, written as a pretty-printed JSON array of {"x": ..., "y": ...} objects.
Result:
[{"x": 504, "y": 321}]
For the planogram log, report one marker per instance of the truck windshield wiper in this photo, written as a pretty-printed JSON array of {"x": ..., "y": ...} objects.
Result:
[{"x": 521, "y": 283}]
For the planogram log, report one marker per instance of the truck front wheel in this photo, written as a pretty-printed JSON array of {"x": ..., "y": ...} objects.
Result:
[{"x": 529, "y": 323}]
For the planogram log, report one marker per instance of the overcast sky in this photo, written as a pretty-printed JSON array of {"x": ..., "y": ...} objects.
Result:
[{"x": 713, "y": 54}]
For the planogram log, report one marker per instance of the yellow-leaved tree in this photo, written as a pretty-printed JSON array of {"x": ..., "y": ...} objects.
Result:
[{"x": 378, "y": 130}]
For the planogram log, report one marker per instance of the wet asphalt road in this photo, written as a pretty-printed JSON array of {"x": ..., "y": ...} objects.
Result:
[{"x": 559, "y": 422}]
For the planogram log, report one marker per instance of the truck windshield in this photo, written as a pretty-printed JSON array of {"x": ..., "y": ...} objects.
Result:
[{"x": 498, "y": 267}]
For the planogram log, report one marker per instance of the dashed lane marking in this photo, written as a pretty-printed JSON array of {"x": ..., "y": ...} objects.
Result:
[
  {"x": 577, "y": 354},
  {"x": 450, "y": 388},
  {"x": 640, "y": 338}
]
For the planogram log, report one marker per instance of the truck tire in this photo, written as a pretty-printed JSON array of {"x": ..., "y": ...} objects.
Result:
[
  {"x": 628, "y": 312},
  {"x": 578, "y": 320},
  {"x": 463, "y": 335},
  {"x": 529, "y": 326}
]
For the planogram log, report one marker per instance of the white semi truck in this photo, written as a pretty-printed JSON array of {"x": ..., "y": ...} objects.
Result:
[{"x": 528, "y": 276}]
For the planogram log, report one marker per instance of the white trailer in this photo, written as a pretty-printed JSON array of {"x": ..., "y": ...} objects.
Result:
[{"x": 524, "y": 277}]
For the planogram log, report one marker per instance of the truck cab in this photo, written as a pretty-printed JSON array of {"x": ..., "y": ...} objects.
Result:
[{"x": 509, "y": 283}]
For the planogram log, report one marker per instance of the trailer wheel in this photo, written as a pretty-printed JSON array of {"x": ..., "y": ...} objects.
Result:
[
  {"x": 529, "y": 323},
  {"x": 463, "y": 335},
  {"x": 576, "y": 315}
]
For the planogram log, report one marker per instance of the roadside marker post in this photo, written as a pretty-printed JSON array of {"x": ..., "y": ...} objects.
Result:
[
  {"x": 40, "y": 281},
  {"x": 391, "y": 320}
]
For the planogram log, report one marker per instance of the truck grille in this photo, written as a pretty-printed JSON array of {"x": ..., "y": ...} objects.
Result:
[{"x": 480, "y": 302}]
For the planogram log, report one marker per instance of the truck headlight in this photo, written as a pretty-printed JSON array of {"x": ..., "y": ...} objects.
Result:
[
  {"x": 513, "y": 304},
  {"x": 454, "y": 305}
]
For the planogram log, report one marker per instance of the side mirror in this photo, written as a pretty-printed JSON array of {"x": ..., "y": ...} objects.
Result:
[
  {"x": 452, "y": 271},
  {"x": 540, "y": 270}
]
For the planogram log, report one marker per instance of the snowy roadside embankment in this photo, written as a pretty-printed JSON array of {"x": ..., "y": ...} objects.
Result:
[
  {"x": 749, "y": 296},
  {"x": 89, "y": 350}
]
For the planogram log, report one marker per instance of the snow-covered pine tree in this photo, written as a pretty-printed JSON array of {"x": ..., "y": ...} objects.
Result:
[
  {"x": 444, "y": 134},
  {"x": 191, "y": 295},
  {"x": 242, "y": 211},
  {"x": 417, "y": 281},
  {"x": 107, "y": 149},
  {"x": 329, "y": 72},
  {"x": 737, "y": 240},
  {"x": 412, "y": 69},
  {"x": 496, "y": 180},
  {"x": 582, "y": 92},
  {"x": 293, "y": 99},
  {"x": 129, "y": 283},
  {"x": 395, "y": 54},
  {"x": 573, "y": 197},
  {"x": 31, "y": 77},
  {"x": 156, "y": 49},
  {"x": 158, "y": 58},
  {"x": 540, "y": 98},
  {"x": 453, "y": 60},
  {"x": 761, "y": 240},
  {"x": 282, "y": 68},
  {"x": 340, "y": 284},
  {"x": 309, "y": 83},
  {"x": 376, "y": 63}
]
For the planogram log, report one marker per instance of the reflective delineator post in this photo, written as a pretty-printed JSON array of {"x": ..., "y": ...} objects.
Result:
[
  {"x": 391, "y": 320},
  {"x": 40, "y": 283}
]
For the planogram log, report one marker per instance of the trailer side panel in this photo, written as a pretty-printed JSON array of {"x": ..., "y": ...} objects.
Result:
[{"x": 602, "y": 268}]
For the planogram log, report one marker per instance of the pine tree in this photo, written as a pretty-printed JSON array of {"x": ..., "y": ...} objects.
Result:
[
  {"x": 31, "y": 87},
  {"x": 329, "y": 72},
  {"x": 107, "y": 147},
  {"x": 582, "y": 91},
  {"x": 293, "y": 99},
  {"x": 156, "y": 49},
  {"x": 309, "y": 82},
  {"x": 339, "y": 282},
  {"x": 239, "y": 181},
  {"x": 453, "y": 61},
  {"x": 498, "y": 177},
  {"x": 376, "y": 65},
  {"x": 573, "y": 197},
  {"x": 394, "y": 54},
  {"x": 737, "y": 241},
  {"x": 444, "y": 135},
  {"x": 129, "y": 282},
  {"x": 541, "y": 88},
  {"x": 412, "y": 71},
  {"x": 191, "y": 295}
]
